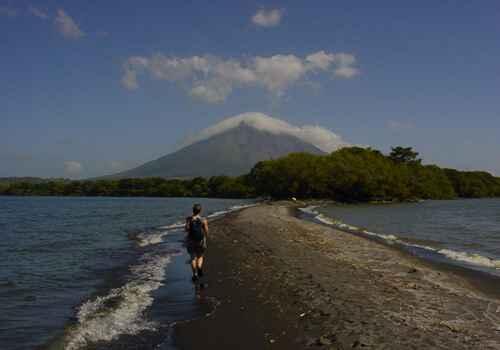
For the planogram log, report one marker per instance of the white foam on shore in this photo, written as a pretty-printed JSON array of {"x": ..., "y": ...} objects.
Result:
[
  {"x": 175, "y": 226},
  {"x": 380, "y": 235},
  {"x": 325, "y": 219},
  {"x": 217, "y": 213},
  {"x": 121, "y": 311},
  {"x": 230, "y": 210},
  {"x": 144, "y": 240},
  {"x": 465, "y": 257},
  {"x": 310, "y": 210},
  {"x": 147, "y": 239},
  {"x": 474, "y": 259}
]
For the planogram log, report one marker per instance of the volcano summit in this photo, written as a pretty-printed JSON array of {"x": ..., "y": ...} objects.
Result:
[{"x": 234, "y": 145}]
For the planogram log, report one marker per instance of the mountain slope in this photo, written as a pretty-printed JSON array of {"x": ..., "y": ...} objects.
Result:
[{"x": 233, "y": 152}]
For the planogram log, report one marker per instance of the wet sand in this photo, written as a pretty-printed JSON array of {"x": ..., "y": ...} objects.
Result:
[{"x": 285, "y": 283}]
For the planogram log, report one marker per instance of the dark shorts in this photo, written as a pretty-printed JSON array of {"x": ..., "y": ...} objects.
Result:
[{"x": 195, "y": 248}]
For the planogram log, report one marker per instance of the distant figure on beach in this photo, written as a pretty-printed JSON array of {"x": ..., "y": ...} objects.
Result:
[{"x": 197, "y": 233}]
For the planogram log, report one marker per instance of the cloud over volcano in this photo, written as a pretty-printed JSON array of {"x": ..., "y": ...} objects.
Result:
[{"x": 326, "y": 140}]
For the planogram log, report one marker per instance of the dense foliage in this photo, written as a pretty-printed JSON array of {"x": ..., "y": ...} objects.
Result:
[
  {"x": 349, "y": 174},
  {"x": 218, "y": 186},
  {"x": 352, "y": 174},
  {"x": 474, "y": 184}
]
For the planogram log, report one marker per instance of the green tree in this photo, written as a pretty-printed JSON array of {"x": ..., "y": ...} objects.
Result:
[{"x": 404, "y": 155}]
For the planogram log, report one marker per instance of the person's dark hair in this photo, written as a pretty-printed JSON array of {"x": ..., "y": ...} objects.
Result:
[{"x": 196, "y": 209}]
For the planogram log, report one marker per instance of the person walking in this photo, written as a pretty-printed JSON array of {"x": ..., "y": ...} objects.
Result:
[{"x": 197, "y": 232}]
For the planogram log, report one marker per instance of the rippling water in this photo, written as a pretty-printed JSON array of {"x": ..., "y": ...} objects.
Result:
[
  {"x": 465, "y": 232},
  {"x": 79, "y": 271}
]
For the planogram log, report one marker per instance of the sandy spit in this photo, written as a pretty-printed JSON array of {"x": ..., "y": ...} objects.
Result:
[{"x": 285, "y": 283}]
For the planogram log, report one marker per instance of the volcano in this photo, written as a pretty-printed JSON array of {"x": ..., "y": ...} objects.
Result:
[{"x": 232, "y": 148}]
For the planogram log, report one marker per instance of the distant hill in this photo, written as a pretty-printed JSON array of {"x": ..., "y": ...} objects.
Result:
[{"x": 232, "y": 152}]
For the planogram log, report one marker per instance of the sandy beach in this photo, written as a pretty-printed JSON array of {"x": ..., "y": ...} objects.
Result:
[{"x": 285, "y": 283}]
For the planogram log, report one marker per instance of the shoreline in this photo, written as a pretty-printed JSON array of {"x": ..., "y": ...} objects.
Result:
[
  {"x": 481, "y": 279},
  {"x": 287, "y": 283}
]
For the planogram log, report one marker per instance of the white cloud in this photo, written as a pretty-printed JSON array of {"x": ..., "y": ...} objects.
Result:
[
  {"x": 8, "y": 11},
  {"x": 345, "y": 67},
  {"x": 212, "y": 79},
  {"x": 38, "y": 12},
  {"x": 129, "y": 79},
  {"x": 66, "y": 26},
  {"x": 346, "y": 72},
  {"x": 211, "y": 91},
  {"x": 267, "y": 18},
  {"x": 72, "y": 168},
  {"x": 320, "y": 60},
  {"x": 324, "y": 139},
  {"x": 131, "y": 67},
  {"x": 278, "y": 72}
]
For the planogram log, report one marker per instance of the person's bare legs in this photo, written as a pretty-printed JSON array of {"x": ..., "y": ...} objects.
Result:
[
  {"x": 199, "y": 265},
  {"x": 194, "y": 266},
  {"x": 199, "y": 262}
]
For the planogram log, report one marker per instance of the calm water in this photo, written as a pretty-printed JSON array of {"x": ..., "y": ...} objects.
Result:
[
  {"x": 465, "y": 232},
  {"x": 76, "y": 271}
]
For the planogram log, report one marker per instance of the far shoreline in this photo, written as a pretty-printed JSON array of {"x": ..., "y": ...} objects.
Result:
[{"x": 256, "y": 199}]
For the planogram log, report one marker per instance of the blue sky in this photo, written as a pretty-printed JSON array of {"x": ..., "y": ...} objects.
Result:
[{"x": 93, "y": 87}]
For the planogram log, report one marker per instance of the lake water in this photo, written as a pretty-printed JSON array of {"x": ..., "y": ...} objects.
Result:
[
  {"x": 462, "y": 232},
  {"x": 111, "y": 272},
  {"x": 100, "y": 271}
]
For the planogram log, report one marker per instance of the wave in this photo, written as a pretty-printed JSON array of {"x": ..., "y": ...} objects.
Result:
[
  {"x": 471, "y": 258},
  {"x": 175, "y": 226},
  {"x": 230, "y": 210},
  {"x": 310, "y": 210},
  {"x": 464, "y": 257},
  {"x": 121, "y": 311},
  {"x": 145, "y": 239}
]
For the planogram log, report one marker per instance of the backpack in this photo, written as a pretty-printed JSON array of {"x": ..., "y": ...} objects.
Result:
[{"x": 196, "y": 229}]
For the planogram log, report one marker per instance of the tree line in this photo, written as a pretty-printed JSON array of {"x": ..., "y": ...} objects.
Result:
[
  {"x": 351, "y": 174},
  {"x": 217, "y": 186}
]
